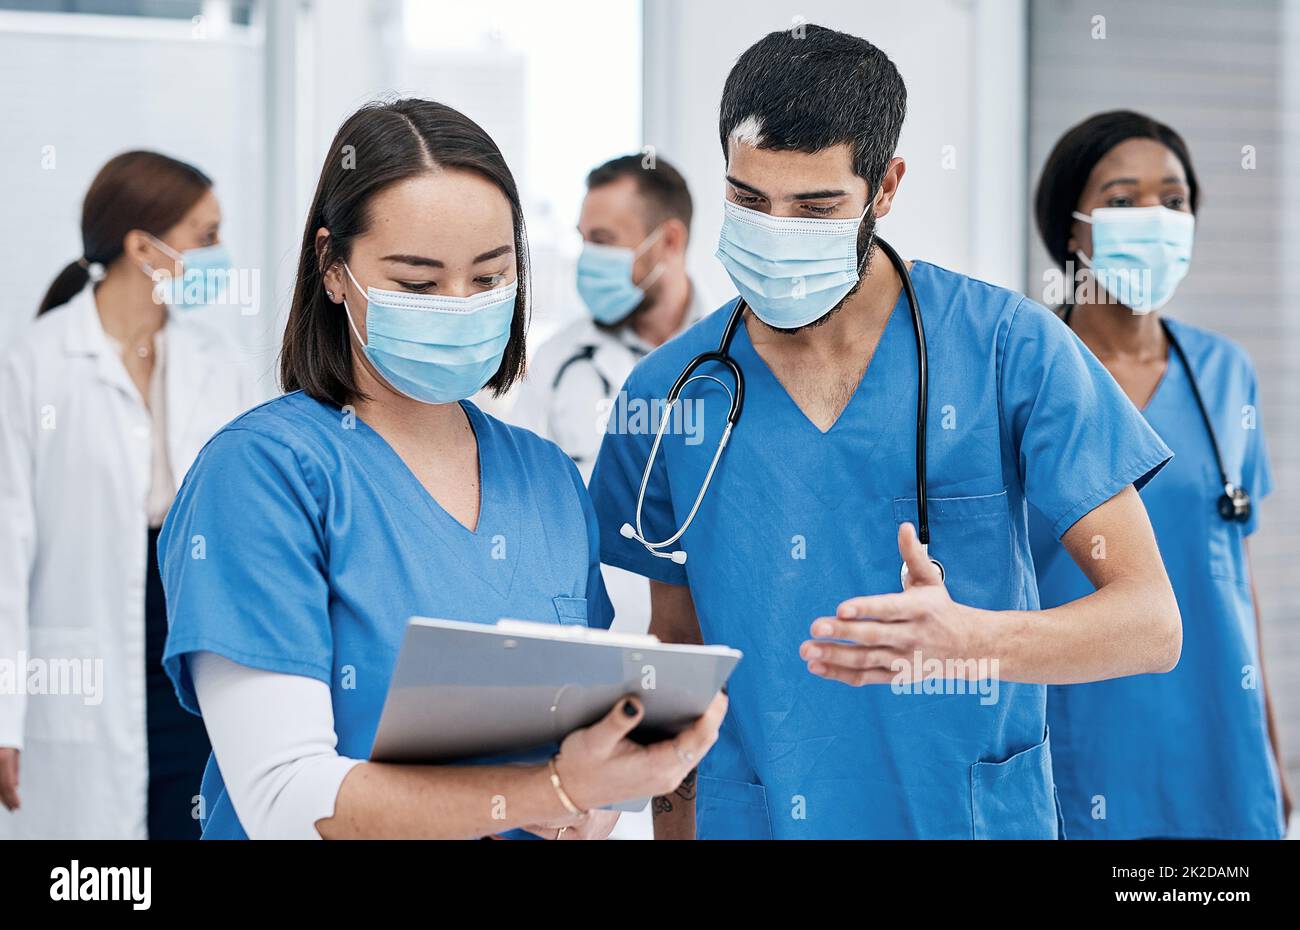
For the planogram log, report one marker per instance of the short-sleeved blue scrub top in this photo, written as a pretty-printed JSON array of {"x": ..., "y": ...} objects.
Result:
[
  {"x": 798, "y": 520},
  {"x": 1184, "y": 754},
  {"x": 301, "y": 543}
]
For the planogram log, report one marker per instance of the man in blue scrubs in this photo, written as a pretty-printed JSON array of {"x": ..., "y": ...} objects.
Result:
[{"x": 862, "y": 709}]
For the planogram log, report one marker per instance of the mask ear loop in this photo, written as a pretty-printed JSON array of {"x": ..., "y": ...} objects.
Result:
[
  {"x": 347, "y": 311},
  {"x": 657, "y": 272},
  {"x": 862, "y": 260},
  {"x": 1082, "y": 218},
  {"x": 165, "y": 249},
  {"x": 152, "y": 273},
  {"x": 1078, "y": 253}
]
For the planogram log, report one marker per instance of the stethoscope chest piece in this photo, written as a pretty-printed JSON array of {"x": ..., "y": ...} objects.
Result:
[
  {"x": 1234, "y": 504},
  {"x": 904, "y": 574}
]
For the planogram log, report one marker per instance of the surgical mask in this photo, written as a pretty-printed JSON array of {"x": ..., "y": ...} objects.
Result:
[
  {"x": 434, "y": 348},
  {"x": 605, "y": 279},
  {"x": 791, "y": 271},
  {"x": 1139, "y": 254},
  {"x": 203, "y": 279}
]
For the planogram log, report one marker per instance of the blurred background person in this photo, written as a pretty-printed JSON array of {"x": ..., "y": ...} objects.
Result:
[
  {"x": 108, "y": 397},
  {"x": 1191, "y": 754},
  {"x": 632, "y": 278}
]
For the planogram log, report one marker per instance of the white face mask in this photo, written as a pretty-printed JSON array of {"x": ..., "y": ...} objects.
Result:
[
  {"x": 203, "y": 281},
  {"x": 1139, "y": 254},
  {"x": 435, "y": 348},
  {"x": 791, "y": 271}
]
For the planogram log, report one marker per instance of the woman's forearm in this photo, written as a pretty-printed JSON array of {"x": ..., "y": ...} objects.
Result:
[
  {"x": 274, "y": 739},
  {"x": 383, "y": 801}
]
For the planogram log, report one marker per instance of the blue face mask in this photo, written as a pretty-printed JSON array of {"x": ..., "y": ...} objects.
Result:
[
  {"x": 791, "y": 271},
  {"x": 433, "y": 348},
  {"x": 1139, "y": 254},
  {"x": 204, "y": 278},
  {"x": 605, "y": 279}
]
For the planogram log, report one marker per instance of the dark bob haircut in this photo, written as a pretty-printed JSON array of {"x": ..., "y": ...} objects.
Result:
[
  {"x": 382, "y": 144},
  {"x": 811, "y": 88},
  {"x": 1068, "y": 168}
]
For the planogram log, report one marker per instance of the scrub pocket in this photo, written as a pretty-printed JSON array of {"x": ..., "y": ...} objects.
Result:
[
  {"x": 1015, "y": 799},
  {"x": 971, "y": 537},
  {"x": 571, "y": 611},
  {"x": 731, "y": 810}
]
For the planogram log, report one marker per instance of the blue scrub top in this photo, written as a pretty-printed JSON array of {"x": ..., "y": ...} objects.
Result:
[
  {"x": 1185, "y": 754},
  {"x": 301, "y": 543},
  {"x": 797, "y": 520}
]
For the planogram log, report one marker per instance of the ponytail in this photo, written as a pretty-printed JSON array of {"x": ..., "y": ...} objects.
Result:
[{"x": 70, "y": 282}]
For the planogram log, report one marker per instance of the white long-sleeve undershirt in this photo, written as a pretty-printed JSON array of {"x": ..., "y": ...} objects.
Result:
[{"x": 273, "y": 735}]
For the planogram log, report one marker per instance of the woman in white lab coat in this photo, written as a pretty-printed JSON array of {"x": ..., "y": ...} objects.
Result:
[{"x": 105, "y": 400}]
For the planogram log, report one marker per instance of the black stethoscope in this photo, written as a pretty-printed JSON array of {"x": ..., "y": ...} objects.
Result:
[
  {"x": 722, "y": 356},
  {"x": 1234, "y": 503}
]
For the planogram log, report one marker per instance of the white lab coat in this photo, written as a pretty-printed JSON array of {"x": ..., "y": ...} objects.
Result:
[{"x": 75, "y": 461}]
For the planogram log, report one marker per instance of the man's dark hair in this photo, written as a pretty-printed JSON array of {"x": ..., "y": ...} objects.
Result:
[
  {"x": 660, "y": 184},
  {"x": 1068, "y": 168},
  {"x": 811, "y": 88}
]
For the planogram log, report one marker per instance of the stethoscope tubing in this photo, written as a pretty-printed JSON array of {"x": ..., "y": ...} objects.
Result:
[
  {"x": 722, "y": 356},
  {"x": 1238, "y": 504}
]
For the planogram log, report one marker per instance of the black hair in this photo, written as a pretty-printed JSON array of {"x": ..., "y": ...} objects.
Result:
[
  {"x": 810, "y": 88},
  {"x": 138, "y": 190},
  {"x": 660, "y": 184},
  {"x": 379, "y": 145},
  {"x": 1068, "y": 168}
]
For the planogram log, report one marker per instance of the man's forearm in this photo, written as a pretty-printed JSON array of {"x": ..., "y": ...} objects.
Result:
[
  {"x": 674, "y": 814},
  {"x": 1125, "y": 628}
]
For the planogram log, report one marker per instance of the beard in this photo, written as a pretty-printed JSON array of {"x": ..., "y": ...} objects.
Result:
[
  {"x": 866, "y": 250},
  {"x": 638, "y": 311}
]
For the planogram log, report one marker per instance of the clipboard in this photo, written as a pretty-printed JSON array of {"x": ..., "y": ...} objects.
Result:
[{"x": 464, "y": 691}]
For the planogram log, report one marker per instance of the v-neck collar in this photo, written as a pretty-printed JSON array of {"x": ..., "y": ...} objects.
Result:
[
  {"x": 1171, "y": 361},
  {"x": 870, "y": 382},
  {"x": 414, "y": 498},
  {"x": 434, "y": 509},
  {"x": 866, "y": 420}
]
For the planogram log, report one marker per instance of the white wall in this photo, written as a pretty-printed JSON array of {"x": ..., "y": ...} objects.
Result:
[
  {"x": 83, "y": 89},
  {"x": 957, "y": 57},
  {"x": 324, "y": 59}
]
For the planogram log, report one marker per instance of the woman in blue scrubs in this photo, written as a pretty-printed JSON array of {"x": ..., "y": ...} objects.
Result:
[
  {"x": 1192, "y": 753},
  {"x": 311, "y": 528}
]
